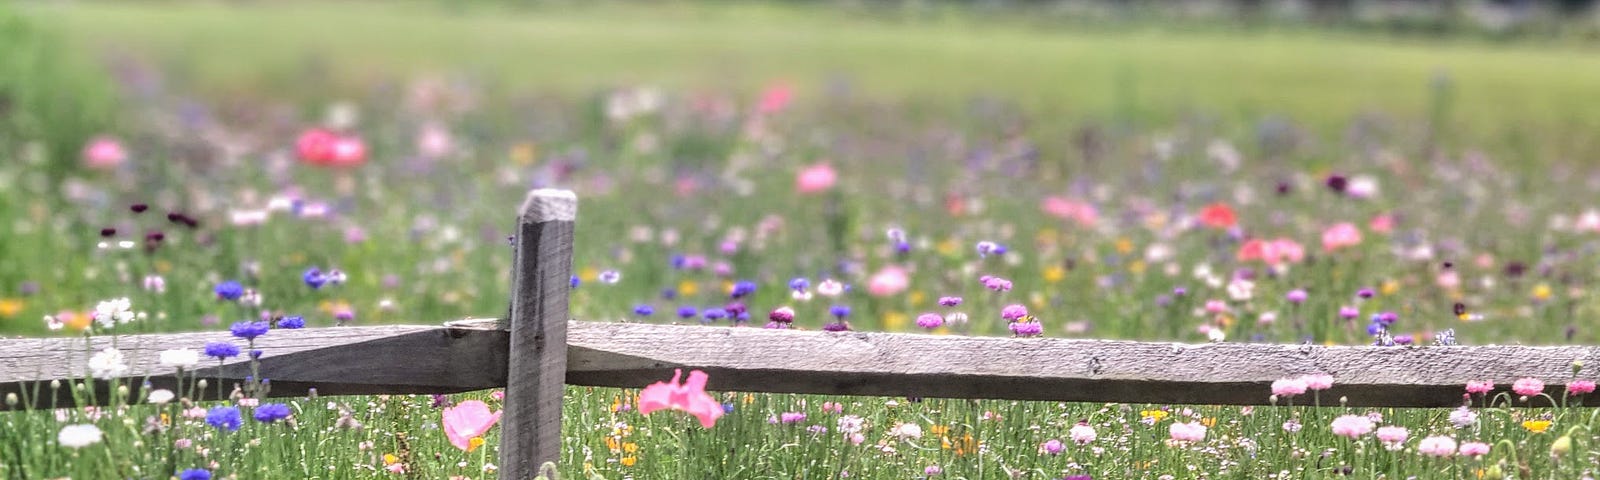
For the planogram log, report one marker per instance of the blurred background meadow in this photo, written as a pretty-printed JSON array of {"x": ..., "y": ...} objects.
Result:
[{"x": 1352, "y": 172}]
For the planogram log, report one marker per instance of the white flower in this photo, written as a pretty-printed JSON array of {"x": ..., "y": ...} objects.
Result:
[
  {"x": 160, "y": 396},
  {"x": 1241, "y": 290},
  {"x": 79, "y": 436},
  {"x": 1217, "y": 335},
  {"x": 53, "y": 323},
  {"x": 109, "y": 313},
  {"x": 906, "y": 431},
  {"x": 179, "y": 358},
  {"x": 107, "y": 364},
  {"x": 830, "y": 288},
  {"x": 851, "y": 424}
]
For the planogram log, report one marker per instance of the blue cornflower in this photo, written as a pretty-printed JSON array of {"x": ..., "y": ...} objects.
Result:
[
  {"x": 799, "y": 284},
  {"x": 839, "y": 311},
  {"x": 230, "y": 290},
  {"x": 271, "y": 412},
  {"x": 686, "y": 312},
  {"x": 194, "y": 474},
  {"x": 669, "y": 294},
  {"x": 678, "y": 261},
  {"x": 249, "y": 330},
  {"x": 902, "y": 247},
  {"x": 224, "y": 418},
  {"x": 727, "y": 407},
  {"x": 575, "y": 281},
  {"x": 314, "y": 278},
  {"x": 292, "y": 322},
  {"x": 713, "y": 314},
  {"x": 644, "y": 310},
  {"x": 1375, "y": 328},
  {"x": 742, "y": 317},
  {"x": 221, "y": 350},
  {"x": 742, "y": 288},
  {"x": 256, "y": 354}
]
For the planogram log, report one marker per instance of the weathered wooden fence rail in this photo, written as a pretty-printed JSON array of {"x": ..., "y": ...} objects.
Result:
[{"x": 538, "y": 350}]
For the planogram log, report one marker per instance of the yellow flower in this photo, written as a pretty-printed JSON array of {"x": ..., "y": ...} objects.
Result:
[
  {"x": 688, "y": 288},
  {"x": 612, "y": 445},
  {"x": 523, "y": 153},
  {"x": 10, "y": 307},
  {"x": 1208, "y": 422},
  {"x": 474, "y": 443},
  {"x": 76, "y": 320},
  {"x": 1154, "y": 415},
  {"x": 1541, "y": 292},
  {"x": 588, "y": 274},
  {"x": 1136, "y": 267},
  {"x": 893, "y": 321},
  {"x": 947, "y": 247},
  {"x": 1389, "y": 287},
  {"x": 938, "y": 429},
  {"x": 163, "y": 266},
  {"x": 630, "y": 447},
  {"x": 1124, "y": 246},
  {"x": 390, "y": 459},
  {"x": 916, "y": 297},
  {"x": 629, "y": 461},
  {"x": 1536, "y": 426},
  {"x": 1054, "y": 274}
]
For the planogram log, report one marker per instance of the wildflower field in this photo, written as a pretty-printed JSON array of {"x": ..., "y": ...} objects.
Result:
[{"x": 259, "y": 170}]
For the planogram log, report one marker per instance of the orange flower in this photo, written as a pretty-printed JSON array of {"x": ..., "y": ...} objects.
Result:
[{"x": 1219, "y": 216}]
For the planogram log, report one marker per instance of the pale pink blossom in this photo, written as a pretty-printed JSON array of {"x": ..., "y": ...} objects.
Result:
[
  {"x": 1352, "y": 426},
  {"x": 888, "y": 281},
  {"x": 1187, "y": 431},
  {"x": 1479, "y": 387},
  {"x": 1528, "y": 386},
  {"x": 816, "y": 178},
  {"x": 1318, "y": 381},
  {"x": 104, "y": 153},
  {"x": 1437, "y": 446},
  {"x": 1392, "y": 436},
  {"x": 468, "y": 420},
  {"x": 1289, "y": 387},
  {"x": 1340, "y": 236},
  {"x": 1474, "y": 449},
  {"x": 689, "y": 397}
]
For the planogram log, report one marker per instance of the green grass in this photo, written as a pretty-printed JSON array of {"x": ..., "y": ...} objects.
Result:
[{"x": 1147, "y": 74}]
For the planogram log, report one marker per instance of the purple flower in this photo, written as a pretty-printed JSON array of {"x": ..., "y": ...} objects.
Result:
[
  {"x": 194, "y": 474},
  {"x": 836, "y": 327},
  {"x": 742, "y": 288},
  {"x": 799, "y": 284},
  {"x": 687, "y": 312},
  {"x": 930, "y": 321},
  {"x": 271, "y": 412},
  {"x": 1013, "y": 312},
  {"x": 839, "y": 311},
  {"x": 229, "y": 290},
  {"x": 575, "y": 281},
  {"x": 314, "y": 278},
  {"x": 644, "y": 310},
  {"x": 713, "y": 314},
  {"x": 1296, "y": 296},
  {"x": 1052, "y": 447},
  {"x": 1364, "y": 293},
  {"x": 1026, "y": 329},
  {"x": 221, "y": 350},
  {"x": 292, "y": 322},
  {"x": 224, "y": 418},
  {"x": 949, "y": 301},
  {"x": 249, "y": 330},
  {"x": 997, "y": 284}
]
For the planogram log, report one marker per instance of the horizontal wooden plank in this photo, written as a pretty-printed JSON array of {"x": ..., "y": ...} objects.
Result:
[
  {"x": 472, "y": 355},
  {"x": 335, "y": 361},
  {"x": 850, "y": 363}
]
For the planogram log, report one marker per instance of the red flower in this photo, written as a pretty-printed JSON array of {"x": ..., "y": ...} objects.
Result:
[{"x": 1218, "y": 215}]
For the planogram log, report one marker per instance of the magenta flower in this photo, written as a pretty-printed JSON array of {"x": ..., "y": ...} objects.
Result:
[
  {"x": 1580, "y": 387},
  {"x": 1013, "y": 312},
  {"x": 689, "y": 397},
  {"x": 816, "y": 178},
  {"x": 1052, "y": 447},
  {"x": 930, "y": 321},
  {"x": 1528, "y": 386}
]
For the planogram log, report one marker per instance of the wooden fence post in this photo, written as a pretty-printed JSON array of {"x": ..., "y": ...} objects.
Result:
[{"x": 536, "y": 374}]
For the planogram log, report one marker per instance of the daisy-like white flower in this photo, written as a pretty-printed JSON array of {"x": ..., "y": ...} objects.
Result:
[
  {"x": 107, "y": 364},
  {"x": 79, "y": 436}
]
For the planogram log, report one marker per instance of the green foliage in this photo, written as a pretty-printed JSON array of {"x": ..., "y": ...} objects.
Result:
[{"x": 47, "y": 94}]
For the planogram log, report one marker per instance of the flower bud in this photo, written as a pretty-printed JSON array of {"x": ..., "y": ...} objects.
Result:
[{"x": 1561, "y": 446}]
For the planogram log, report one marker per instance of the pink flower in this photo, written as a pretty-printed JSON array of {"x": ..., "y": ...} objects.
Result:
[
  {"x": 1289, "y": 250},
  {"x": 1318, "y": 381},
  {"x": 1339, "y": 236},
  {"x": 104, "y": 153},
  {"x": 689, "y": 397},
  {"x": 1353, "y": 426},
  {"x": 1081, "y": 212},
  {"x": 1392, "y": 435},
  {"x": 930, "y": 320},
  {"x": 1289, "y": 387},
  {"x": 1437, "y": 446},
  {"x": 1383, "y": 223},
  {"x": 468, "y": 420},
  {"x": 1580, "y": 387},
  {"x": 348, "y": 152},
  {"x": 1052, "y": 447},
  {"x": 397, "y": 468},
  {"x": 1479, "y": 387},
  {"x": 1082, "y": 434},
  {"x": 1474, "y": 449},
  {"x": 315, "y": 146},
  {"x": 498, "y": 395},
  {"x": 776, "y": 98},
  {"x": 1187, "y": 432},
  {"x": 888, "y": 281},
  {"x": 1528, "y": 386},
  {"x": 816, "y": 178}
]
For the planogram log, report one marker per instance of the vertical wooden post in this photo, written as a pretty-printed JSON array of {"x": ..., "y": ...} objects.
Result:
[{"x": 537, "y": 372}]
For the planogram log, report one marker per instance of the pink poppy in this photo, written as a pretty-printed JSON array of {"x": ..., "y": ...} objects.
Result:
[
  {"x": 466, "y": 421},
  {"x": 1081, "y": 212},
  {"x": 1382, "y": 223},
  {"x": 816, "y": 178},
  {"x": 689, "y": 397},
  {"x": 888, "y": 281},
  {"x": 776, "y": 98},
  {"x": 104, "y": 153},
  {"x": 315, "y": 146},
  {"x": 1219, "y": 216},
  {"x": 1289, "y": 250},
  {"x": 1340, "y": 236}
]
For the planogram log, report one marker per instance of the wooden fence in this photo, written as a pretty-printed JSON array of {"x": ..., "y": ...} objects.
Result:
[{"x": 538, "y": 350}]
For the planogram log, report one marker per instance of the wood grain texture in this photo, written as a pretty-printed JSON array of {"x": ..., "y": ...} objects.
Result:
[
  {"x": 531, "y": 425},
  {"x": 335, "y": 361},
  {"x": 850, "y": 363}
]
